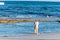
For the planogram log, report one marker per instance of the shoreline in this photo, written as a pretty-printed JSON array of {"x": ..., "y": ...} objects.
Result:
[{"x": 32, "y": 36}]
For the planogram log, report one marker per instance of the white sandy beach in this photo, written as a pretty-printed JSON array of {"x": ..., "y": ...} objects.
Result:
[{"x": 46, "y": 36}]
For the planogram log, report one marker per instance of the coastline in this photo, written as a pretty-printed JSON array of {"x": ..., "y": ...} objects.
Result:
[{"x": 32, "y": 37}]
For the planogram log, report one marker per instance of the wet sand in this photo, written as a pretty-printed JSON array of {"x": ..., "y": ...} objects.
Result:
[{"x": 52, "y": 36}]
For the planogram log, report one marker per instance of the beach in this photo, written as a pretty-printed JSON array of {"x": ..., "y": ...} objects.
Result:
[
  {"x": 17, "y": 20},
  {"x": 47, "y": 36}
]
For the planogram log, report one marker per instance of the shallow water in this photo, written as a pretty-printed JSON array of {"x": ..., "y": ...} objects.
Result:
[{"x": 28, "y": 27}]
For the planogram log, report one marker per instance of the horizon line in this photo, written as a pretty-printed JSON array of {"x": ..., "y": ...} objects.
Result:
[{"x": 29, "y": 0}]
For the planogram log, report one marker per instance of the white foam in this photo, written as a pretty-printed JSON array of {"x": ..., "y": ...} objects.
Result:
[{"x": 1, "y": 3}]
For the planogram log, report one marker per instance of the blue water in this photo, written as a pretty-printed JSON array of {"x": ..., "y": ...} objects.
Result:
[{"x": 29, "y": 9}]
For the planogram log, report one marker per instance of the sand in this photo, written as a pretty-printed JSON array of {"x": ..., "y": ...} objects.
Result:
[{"x": 55, "y": 36}]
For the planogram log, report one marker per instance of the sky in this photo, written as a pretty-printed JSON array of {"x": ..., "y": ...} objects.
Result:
[{"x": 32, "y": 0}]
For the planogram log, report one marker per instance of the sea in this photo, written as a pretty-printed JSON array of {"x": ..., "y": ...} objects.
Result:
[{"x": 31, "y": 9}]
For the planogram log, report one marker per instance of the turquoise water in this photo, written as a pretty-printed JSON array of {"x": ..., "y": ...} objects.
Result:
[
  {"x": 28, "y": 27},
  {"x": 32, "y": 10}
]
